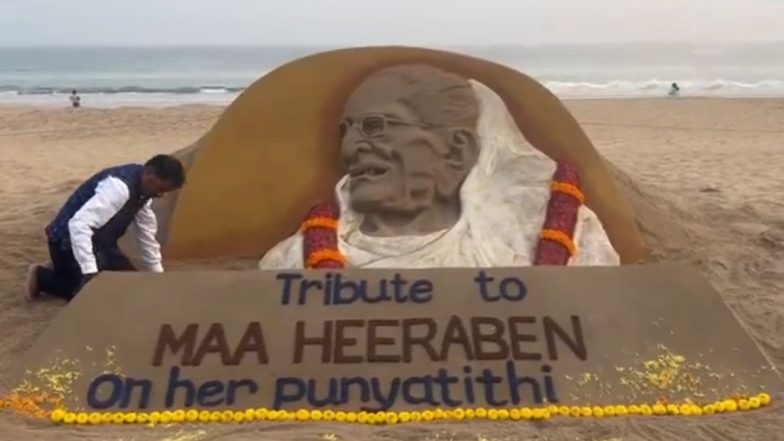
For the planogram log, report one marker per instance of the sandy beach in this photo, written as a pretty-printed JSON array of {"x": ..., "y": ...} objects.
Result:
[{"x": 705, "y": 176}]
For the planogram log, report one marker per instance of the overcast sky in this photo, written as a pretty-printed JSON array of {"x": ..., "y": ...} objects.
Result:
[{"x": 410, "y": 22}]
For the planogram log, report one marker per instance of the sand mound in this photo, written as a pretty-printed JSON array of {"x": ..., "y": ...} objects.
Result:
[
  {"x": 739, "y": 251},
  {"x": 287, "y": 121}
]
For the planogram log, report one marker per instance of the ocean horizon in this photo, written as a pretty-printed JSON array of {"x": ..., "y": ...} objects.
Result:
[{"x": 165, "y": 76}]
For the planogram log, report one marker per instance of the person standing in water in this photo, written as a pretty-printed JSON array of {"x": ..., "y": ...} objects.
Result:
[{"x": 76, "y": 100}]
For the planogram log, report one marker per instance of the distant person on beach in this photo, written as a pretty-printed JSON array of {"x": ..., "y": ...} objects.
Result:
[
  {"x": 76, "y": 100},
  {"x": 674, "y": 89},
  {"x": 83, "y": 237}
]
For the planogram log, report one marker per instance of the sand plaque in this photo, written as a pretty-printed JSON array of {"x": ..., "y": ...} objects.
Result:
[{"x": 400, "y": 340}]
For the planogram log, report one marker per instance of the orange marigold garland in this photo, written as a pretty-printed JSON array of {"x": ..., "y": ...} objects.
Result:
[
  {"x": 556, "y": 243},
  {"x": 37, "y": 405},
  {"x": 321, "y": 237}
]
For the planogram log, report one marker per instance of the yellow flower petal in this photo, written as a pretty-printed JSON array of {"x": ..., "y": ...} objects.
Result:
[
  {"x": 166, "y": 417},
  {"x": 57, "y": 416},
  {"x": 192, "y": 415},
  {"x": 239, "y": 416},
  {"x": 178, "y": 416},
  {"x": 261, "y": 414},
  {"x": 303, "y": 415}
]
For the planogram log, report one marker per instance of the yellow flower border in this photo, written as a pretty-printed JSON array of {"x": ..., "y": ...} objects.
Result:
[{"x": 62, "y": 416}]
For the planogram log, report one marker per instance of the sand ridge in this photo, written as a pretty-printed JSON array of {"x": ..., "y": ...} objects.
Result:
[{"x": 704, "y": 176}]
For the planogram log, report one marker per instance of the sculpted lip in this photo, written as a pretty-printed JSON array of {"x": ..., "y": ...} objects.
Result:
[{"x": 368, "y": 168}]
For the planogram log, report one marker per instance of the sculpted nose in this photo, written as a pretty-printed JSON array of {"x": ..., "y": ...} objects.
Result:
[
  {"x": 362, "y": 147},
  {"x": 354, "y": 147}
]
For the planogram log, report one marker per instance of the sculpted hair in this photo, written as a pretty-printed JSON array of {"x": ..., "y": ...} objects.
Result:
[{"x": 437, "y": 97}]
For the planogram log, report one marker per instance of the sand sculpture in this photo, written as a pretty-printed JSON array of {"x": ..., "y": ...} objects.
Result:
[
  {"x": 289, "y": 121},
  {"x": 454, "y": 334},
  {"x": 438, "y": 175}
]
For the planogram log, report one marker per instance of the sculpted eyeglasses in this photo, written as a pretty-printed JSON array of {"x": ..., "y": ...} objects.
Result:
[{"x": 375, "y": 125}]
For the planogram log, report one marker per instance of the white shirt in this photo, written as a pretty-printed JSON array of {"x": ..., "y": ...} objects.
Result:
[{"x": 110, "y": 196}]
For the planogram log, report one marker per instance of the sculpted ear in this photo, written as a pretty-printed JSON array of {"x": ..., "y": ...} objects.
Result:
[{"x": 463, "y": 149}]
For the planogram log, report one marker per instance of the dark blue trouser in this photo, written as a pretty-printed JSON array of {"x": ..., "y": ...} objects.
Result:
[{"x": 64, "y": 278}]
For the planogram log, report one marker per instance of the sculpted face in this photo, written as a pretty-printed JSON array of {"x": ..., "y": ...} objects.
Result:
[{"x": 408, "y": 142}]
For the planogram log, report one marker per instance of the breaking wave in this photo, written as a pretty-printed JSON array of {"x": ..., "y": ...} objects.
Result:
[{"x": 657, "y": 87}]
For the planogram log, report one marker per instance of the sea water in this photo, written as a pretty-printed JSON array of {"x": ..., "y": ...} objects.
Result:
[{"x": 162, "y": 76}]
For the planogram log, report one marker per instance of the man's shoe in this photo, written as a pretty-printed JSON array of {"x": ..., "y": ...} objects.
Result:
[{"x": 33, "y": 292}]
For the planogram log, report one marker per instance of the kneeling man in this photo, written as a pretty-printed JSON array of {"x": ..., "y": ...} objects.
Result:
[{"x": 83, "y": 237}]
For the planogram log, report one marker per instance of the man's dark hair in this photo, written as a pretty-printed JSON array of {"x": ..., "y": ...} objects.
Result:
[{"x": 167, "y": 168}]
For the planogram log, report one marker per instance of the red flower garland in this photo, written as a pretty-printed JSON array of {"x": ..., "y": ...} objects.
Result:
[
  {"x": 555, "y": 245},
  {"x": 321, "y": 237}
]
